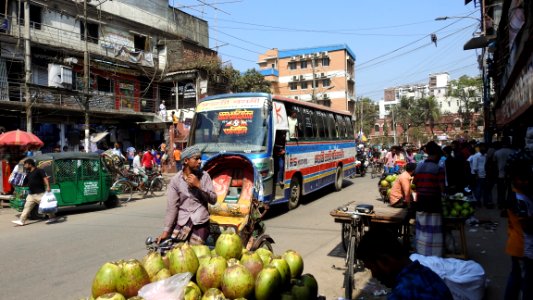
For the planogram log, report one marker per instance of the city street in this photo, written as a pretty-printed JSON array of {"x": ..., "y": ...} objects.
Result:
[{"x": 58, "y": 261}]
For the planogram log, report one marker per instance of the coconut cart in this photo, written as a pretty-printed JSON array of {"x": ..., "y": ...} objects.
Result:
[{"x": 239, "y": 205}]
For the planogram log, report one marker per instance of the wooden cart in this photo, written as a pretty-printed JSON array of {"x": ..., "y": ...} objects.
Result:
[{"x": 383, "y": 215}]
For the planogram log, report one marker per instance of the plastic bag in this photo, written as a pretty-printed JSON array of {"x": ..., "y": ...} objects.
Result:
[
  {"x": 48, "y": 204},
  {"x": 172, "y": 288},
  {"x": 466, "y": 279},
  {"x": 17, "y": 176}
]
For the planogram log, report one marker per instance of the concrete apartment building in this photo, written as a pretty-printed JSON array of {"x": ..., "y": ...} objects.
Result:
[
  {"x": 438, "y": 86},
  {"x": 140, "y": 53},
  {"x": 324, "y": 74}
]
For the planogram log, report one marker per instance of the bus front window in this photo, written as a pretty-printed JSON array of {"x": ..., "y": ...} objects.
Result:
[{"x": 232, "y": 130}]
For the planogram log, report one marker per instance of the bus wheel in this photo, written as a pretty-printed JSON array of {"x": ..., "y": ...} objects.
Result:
[
  {"x": 339, "y": 178},
  {"x": 295, "y": 192}
]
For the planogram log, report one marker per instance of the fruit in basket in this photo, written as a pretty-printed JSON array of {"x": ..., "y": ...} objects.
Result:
[
  {"x": 300, "y": 291},
  {"x": 192, "y": 292},
  {"x": 265, "y": 254},
  {"x": 390, "y": 178},
  {"x": 253, "y": 262},
  {"x": 237, "y": 282},
  {"x": 310, "y": 281},
  {"x": 106, "y": 278},
  {"x": 267, "y": 283},
  {"x": 182, "y": 259},
  {"x": 283, "y": 269},
  {"x": 111, "y": 296},
  {"x": 162, "y": 274},
  {"x": 454, "y": 213},
  {"x": 413, "y": 186},
  {"x": 384, "y": 183},
  {"x": 133, "y": 278},
  {"x": 295, "y": 262},
  {"x": 201, "y": 250},
  {"x": 209, "y": 274},
  {"x": 229, "y": 245},
  {"x": 388, "y": 192},
  {"x": 153, "y": 263},
  {"x": 213, "y": 294}
]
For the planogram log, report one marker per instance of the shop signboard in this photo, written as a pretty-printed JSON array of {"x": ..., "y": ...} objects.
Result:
[{"x": 519, "y": 98}]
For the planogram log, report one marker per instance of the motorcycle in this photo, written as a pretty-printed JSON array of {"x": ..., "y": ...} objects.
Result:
[{"x": 361, "y": 163}]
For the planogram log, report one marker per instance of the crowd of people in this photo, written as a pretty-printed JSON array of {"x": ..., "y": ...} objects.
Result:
[{"x": 493, "y": 175}]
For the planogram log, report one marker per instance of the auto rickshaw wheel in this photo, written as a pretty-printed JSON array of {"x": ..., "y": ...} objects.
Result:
[
  {"x": 339, "y": 178},
  {"x": 295, "y": 193},
  {"x": 111, "y": 202}
]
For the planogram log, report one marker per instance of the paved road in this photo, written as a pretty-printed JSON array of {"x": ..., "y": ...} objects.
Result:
[{"x": 58, "y": 261}]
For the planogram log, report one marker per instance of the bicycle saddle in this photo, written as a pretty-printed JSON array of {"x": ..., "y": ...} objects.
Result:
[{"x": 364, "y": 208}]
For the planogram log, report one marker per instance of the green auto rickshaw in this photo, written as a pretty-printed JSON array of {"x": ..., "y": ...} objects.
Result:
[{"x": 76, "y": 178}]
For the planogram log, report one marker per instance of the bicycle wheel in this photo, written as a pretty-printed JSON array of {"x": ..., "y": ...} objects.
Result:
[
  {"x": 345, "y": 236},
  {"x": 349, "y": 273},
  {"x": 157, "y": 187},
  {"x": 124, "y": 189}
]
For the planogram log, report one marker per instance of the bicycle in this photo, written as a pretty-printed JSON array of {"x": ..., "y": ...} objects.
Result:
[
  {"x": 376, "y": 169},
  {"x": 352, "y": 232},
  {"x": 131, "y": 182}
]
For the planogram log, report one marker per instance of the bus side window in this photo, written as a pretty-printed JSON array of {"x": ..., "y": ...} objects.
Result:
[
  {"x": 340, "y": 126},
  {"x": 308, "y": 124},
  {"x": 319, "y": 123},
  {"x": 330, "y": 121},
  {"x": 349, "y": 127}
]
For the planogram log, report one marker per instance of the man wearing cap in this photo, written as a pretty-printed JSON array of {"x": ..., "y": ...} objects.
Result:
[{"x": 189, "y": 192}]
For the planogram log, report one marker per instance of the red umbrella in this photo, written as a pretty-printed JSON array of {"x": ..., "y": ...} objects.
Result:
[{"x": 20, "y": 138}]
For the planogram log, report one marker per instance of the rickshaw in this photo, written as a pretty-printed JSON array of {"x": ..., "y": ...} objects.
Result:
[
  {"x": 239, "y": 205},
  {"x": 76, "y": 178}
]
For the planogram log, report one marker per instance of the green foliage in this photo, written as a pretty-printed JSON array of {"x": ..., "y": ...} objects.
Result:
[
  {"x": 250, "y": 81},
  {"x": 469, "y": 92},
  {"x": 366, "y": 111}
]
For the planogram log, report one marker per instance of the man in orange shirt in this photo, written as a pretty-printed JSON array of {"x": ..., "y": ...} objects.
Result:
[
  {"x": 177, "y": 158},
  {"x": 400, "y": 194}
]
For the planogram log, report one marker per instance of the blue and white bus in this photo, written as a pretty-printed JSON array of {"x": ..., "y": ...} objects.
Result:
[{"x": 320, "y": 153}]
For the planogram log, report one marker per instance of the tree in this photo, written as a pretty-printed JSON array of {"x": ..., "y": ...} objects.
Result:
[
  {"x": 250, "y": 81},
  {"x": 468, "y": 92},
  {"x": 429, "y": 111},
  {"x": 367, "y": 113}
]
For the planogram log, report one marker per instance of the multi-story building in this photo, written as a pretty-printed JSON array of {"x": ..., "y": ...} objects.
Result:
[
  {"x": 137, "y": 53},
  {"x": 324, "y": 75},
  {"x": 438, "y": 87}
]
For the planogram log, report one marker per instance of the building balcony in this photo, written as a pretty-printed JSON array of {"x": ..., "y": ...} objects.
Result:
[{"x": 269, "y": 72}]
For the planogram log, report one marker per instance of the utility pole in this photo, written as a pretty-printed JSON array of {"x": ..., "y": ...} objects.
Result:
[
  {"x": 86, "y": 78},
  {"x": 313, "y": 96},
  {"x": 27, "y": 65},
  {"x": 393, "y": 125}
]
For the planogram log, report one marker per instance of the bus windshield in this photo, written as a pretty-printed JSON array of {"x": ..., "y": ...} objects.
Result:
[{"x": 242, "y": 130}]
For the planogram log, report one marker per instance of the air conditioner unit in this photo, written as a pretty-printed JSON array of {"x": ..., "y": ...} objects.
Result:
[
  {"x": 293, "y": 58},
  {"x": 325, "y": 53},
  {"x": 323, "y": 75},
  {"x": 66, "y": 75},
  {"x": 59, "y": 76},
  {"x": 301, "y": 77},
  {"x": 294, "y": 78}
]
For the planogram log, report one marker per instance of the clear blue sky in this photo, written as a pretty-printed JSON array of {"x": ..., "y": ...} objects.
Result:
[{"x": 390, "y": 38}]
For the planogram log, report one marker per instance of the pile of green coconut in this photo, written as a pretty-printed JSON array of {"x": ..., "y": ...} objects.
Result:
[{"x": 226, "y": 272}]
